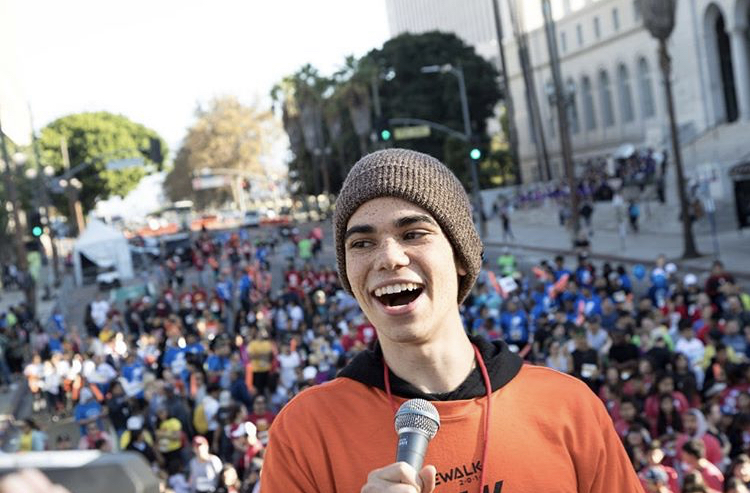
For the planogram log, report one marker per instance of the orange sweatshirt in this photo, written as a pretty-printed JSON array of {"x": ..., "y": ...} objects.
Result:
[{"x": 548, "y": 433}]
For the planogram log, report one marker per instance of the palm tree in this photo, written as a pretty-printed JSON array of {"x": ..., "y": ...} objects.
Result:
[{"x": 354, "y": 89}]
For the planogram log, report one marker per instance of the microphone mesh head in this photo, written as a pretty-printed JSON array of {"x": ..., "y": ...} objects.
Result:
[{"x": 418, "y": 414}]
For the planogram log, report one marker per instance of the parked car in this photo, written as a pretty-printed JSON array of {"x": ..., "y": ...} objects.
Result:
[{"x": 251, "y": 220}]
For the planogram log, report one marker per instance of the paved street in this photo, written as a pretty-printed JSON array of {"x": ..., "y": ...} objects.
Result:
[{"x": 538, "y": 230}]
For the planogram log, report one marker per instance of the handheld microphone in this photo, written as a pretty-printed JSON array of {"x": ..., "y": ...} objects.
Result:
[{"x": 417, "y": 422}]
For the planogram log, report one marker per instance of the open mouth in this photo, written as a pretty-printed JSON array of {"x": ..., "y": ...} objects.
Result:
[{"x": 398, "y": 294}]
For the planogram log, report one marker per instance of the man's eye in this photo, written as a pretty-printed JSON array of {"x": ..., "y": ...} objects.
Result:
[
  {"x": 360, "y": 244},
  {"x": 414, "y": 235}
]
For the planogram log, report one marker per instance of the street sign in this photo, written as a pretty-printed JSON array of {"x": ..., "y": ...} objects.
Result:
[
  {"x": 414, "y": 132},
  {"x": 124, "y": 163},
  {"x": 211, "y": 181}
]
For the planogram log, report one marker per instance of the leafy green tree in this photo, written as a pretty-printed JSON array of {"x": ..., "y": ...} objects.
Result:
[
  {"x": 97, "y": 138},
  {"x": 226, "y": 135},
  {"x": 348, "y": 106},
  {"x": 435, "y": 96}
]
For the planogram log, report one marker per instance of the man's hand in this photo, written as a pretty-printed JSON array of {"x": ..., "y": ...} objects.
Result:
[{"x": 400, "y": 478}]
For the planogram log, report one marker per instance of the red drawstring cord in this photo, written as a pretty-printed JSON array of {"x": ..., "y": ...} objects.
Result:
[
  {"x": 488, "y": 386},
  {"x": 486, "y": 427}
]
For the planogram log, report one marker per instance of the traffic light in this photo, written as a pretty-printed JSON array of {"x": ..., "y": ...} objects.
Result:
[
  {"x": 384, "y": 130},
  {"x": 475, "y": 148},
  {"x": 35, "y": 224}
]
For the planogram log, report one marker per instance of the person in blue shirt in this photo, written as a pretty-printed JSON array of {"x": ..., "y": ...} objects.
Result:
[
  {"x": 224, "y": 289},
  {"x": 625, "y": 282},
  {"x": 87, "y": 411},
  {"x": 542, "y": 301},
  {"x": 218, "y": 362},
  {"x": 132, "y": 372},
  {"x": 584, "y": 272},
  {"x": 515, "y": 324},
  {"x": 560, "y": 269},
  {"x": 175, "y": 360},
  {"x": 245, "y": 286},
  {"x": 592, "y": 303},
  {"x": 195, "y": 347}
]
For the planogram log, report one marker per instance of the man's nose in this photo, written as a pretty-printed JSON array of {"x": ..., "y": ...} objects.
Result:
[{"x": 392, "y": 255}]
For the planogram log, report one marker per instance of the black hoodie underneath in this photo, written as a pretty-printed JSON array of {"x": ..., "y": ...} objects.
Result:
[{"x": 502, "y": 365}]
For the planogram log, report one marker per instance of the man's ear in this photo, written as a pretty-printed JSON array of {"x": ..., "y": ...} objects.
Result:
[{"x": 460, "y": 269}]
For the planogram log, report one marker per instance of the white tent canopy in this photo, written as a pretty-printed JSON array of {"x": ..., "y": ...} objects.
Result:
[{"x": 105, "y": 246}]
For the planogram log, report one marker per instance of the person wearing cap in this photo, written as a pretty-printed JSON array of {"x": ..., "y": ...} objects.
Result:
[
  {"x": 247, "y": 451},
  {"x": 407, "y": 249}
]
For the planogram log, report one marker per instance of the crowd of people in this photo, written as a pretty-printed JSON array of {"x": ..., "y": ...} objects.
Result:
[
  {"x": 192, "y": 374},
  {"x": 638, "y": 168}
]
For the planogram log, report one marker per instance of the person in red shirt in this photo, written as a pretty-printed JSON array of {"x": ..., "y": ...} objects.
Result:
[
  {"x": 695, "y": 427},
  {"x": 718, "y": 283},
  {"x": 629, "y": 416},
  {"x": 262, "y": 418},
  {"x": 694, "y": 460},
  {"x": 664, "y": 385}
]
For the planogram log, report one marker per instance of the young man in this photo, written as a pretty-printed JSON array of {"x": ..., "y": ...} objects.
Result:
[{"x": 408, "y": 251}]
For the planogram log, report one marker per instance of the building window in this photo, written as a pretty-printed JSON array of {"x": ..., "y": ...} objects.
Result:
[
  {"x": 579, "y": 34},
  {"x": 605, "y": 95},
  {"x": 637, "y": 14},
  {"x": 626, "y": 96},
  {"x": 573, "y": 120},
  {"x": 616, "y": 19},
  {"x": 597, "y": 28},
  {"x": 589, "y": 118},
  {"x": 563, "y": 42},
  {"x": 646, "y": 89}
]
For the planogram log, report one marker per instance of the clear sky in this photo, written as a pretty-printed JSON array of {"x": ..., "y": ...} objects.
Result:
[{"x": 154, "y": 60}]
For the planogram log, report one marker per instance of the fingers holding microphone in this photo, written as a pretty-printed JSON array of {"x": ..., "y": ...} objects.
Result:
[
  {"x": 416, "y": 421},
  {"x": 400, "y": 477}
]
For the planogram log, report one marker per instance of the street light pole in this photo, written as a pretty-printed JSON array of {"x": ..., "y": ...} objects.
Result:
[
  {"x": 659, "y": 18},
  {"x": 562, "y": 101},
  {"x": 459, "y": 73},
  {"x": 46, "y": 204}
]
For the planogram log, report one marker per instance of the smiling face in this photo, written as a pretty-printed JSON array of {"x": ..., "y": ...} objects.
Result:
[{"x": 402, "y": 270}]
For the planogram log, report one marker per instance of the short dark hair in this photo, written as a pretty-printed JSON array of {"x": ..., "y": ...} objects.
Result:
[{"x": 695, "y": 447}]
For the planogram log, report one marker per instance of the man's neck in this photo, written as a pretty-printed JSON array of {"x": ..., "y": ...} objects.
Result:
[{"x": 434, "y": 368}]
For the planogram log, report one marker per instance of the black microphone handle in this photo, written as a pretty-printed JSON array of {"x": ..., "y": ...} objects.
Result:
[{"x": 412, "y": 447}]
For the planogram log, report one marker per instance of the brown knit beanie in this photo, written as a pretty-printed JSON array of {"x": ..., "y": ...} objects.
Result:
[{"x": 423, "y": 181}]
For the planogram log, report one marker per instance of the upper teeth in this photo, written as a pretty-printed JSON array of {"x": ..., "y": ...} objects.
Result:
[{"x": 396, "y": 288}]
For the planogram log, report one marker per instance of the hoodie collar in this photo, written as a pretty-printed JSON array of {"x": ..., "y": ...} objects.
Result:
[{"x": 502, "y": 365}]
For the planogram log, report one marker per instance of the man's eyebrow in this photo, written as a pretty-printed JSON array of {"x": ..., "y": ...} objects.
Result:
[
  {"x": 416, "y": 218},
  {"x": 362, "y": 228}
]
